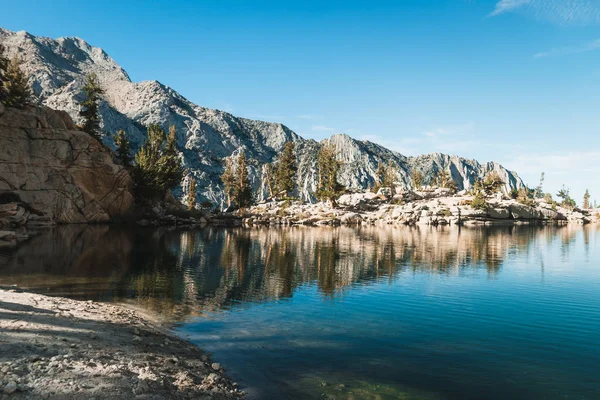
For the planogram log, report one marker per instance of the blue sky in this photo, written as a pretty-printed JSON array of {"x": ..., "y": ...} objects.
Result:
[{"x": 515, "y": 81}]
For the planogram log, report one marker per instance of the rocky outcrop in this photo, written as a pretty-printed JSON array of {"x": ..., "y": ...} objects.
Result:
[
  {"x": 51, "y": 172},
  {"x": 435, "y": 207},
  {"x": 206, "y": 137}
]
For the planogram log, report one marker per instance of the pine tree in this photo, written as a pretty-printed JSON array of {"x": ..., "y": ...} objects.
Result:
[
  {"x": 565, "y": 195},
  {"x": 390, "y": 176},
  {"x": 379, "y": 177},
  {"x": 328, "y": 167},
  {"x": 3, "y": 67},
  {"x": 539, "y": 192},
  {"x": 170, "y": 169},
  {"x": 417, "y": 179},
  {"x": 285, "y": 174},
  {"x": 89, "y": 107},
  {"x": 191, "y": 196},
  {"x": 15, "y": 87},
  {"x": 492, "y": 183},
  {"x": 243, "y": 193},
  {"x": 229, "y": 181},
  {"x": 586, "y": 200},
  {"x": 158, "y": 167},
  {"x": 385, "y": 176},
  {"x": 123, "y": 148},
  {"x": 444, "y": 180},
  {"x": 268, "y": 171}
]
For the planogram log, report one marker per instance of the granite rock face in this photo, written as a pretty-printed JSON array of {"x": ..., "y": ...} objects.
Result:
[
  {"x": 57, "y": 173},
  {"x": 206, "y": 137}
]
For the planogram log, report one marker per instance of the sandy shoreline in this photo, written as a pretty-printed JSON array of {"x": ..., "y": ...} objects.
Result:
[{"x": 53, "y": 347}]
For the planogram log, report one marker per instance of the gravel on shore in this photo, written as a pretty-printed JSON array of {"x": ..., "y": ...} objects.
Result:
[{"x": 58, "y": 348}]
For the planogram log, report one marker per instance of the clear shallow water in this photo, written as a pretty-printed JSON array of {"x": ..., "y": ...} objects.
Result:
[{"x": 503, "y": 313}]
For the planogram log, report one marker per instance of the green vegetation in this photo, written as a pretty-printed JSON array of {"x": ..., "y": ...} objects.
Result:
[
  {"x": 269, "y": 178},
  {"x": 443, "y": 179},
  {"x": 539, "y": 192},
  {"x": 14, "y": 88},
  {"x": 243, "y": 192},
  {"x": 526, "y": 196},
  {"x": 416, "y": 177},
  {"x": 385, "y": 177},
  {"x": 123, "y": 148},
  {"x": 483, "y": 189},
  {"x": 89, "y": 107},
  {"x": 286, "y": 169},
  {"x": 491, "y": 184},
  {"x": 228, "y": 178},
  {"x": 586, "y": 200},
  {"x": 328, "y": 187},
  {"x": 191, "y": 195},
  {"x": 567, "y": 200},
  {"x": 157, "y": 168},
  {"x": 479, "y": 202},
  {"x": 236, "y": 182}
]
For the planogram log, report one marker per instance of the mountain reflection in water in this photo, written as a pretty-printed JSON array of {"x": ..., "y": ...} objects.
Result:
[
  {"x": 178, "y": 273},
  {"x": 353, "y": 313}
]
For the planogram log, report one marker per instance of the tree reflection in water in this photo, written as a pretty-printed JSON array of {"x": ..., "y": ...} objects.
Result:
[{"x": 180, "y": 273}]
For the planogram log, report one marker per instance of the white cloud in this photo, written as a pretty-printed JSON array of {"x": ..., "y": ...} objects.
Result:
[
  {"x": 590, "y": 46},
  {"x": 563, "y": 12},
  {"x": 578, "y": 170},
  {"x": 450, "y": 139},
  {"x": 305, "y": 117},
  {"x": 323, "y": 128},
  {"x": 508, "y": 5},
  {"x": 272, "y": 118}
]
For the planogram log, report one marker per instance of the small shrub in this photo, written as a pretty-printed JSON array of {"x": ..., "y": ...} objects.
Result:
[
  {"x": 479, "y": 203},
  {"x": 525, "y": 196}
]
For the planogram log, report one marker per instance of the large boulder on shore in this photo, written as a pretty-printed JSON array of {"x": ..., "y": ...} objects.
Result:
[
  {"x": 57, "y": 171},
  {"x": 524, "y": 212}
]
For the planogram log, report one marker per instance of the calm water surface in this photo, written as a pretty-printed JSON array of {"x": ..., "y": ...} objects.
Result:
[{"x": 375, "y": 313}]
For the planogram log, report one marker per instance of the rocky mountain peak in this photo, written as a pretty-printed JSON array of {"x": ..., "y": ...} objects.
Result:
[{"x": 206, "y": 137}]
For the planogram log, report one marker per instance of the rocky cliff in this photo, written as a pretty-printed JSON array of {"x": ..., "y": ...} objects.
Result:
[
  {"x": 51, "y": 170},
  {"x": 58, "y": 67}
]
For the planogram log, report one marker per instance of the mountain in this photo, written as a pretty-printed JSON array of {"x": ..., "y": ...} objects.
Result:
[{"x": 57, "y": 69}]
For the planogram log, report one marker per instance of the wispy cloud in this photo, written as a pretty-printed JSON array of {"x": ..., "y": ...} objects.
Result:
[
  {"x": 589, "y": 46},
  {"x": 306, "y": 117},
  {"x": 557, "y": 163},
  {"x": 508, "y": 5},
  {"x": 323, "y": 128},
  {"x": 563, "y": 12},
  {"x": 578, "y": 170},
  {"x": 272, "y": 118},
  {"x": 447, "y": 139}
]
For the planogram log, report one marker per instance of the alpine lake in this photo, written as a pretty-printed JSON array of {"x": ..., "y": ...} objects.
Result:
[{"x": 351, "y": 313}]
